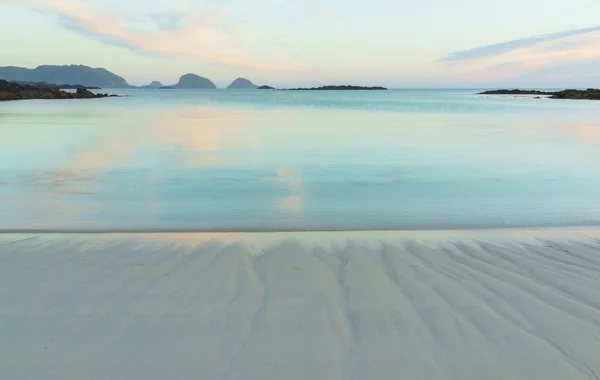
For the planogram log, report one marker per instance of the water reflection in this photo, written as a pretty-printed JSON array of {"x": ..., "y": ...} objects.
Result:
[
  {"x": 136, "y": 168},
  {"x": 238, "y": 169},
  {"x": 291, "y": 180},
  {"x": 584, "y": 133}
]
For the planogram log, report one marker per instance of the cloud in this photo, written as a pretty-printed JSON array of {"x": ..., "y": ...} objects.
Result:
[
  {"x": 183, "y": 31},
  {"x": 506, "y": 47},
  {"x": 555, "y": 60}
]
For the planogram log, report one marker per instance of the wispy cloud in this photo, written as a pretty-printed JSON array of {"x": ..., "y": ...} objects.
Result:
[
  {"x": 506, "y": 47},
  {"x": 183, "y": 31},
  {"x": 560, "y": 59}
]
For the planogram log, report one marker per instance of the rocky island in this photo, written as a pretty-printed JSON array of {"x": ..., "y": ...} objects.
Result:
[
  {"x": 340, "y": 88},
  {"x": 69, "y": 74},
  {"x": 16, "y": 91},
  {"x": 242, "y": 84},
  {"x": 265, "y": 88},
  {"x": 193, "y": 81},
  {"x": 154, "y": 84},
  {"x": 589, "y": 94},
  {"x": 515, "y": 92},
  {"x": 59, "y": 86}
]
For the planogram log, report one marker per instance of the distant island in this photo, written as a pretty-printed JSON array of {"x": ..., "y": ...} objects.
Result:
[
  {"x": 242, "y": 84},
  {"x": 589, "y": 94},
  {"x": 16, "y": 91},
  {"x": 193, "y": 81},
  {"x": 154, "y": 84},
  {"x": 516, "y": 92},
  {"x": 339, "y": 88},
  {"x": 59, "y": 86},
  {"x": 84, "y": 77},
  {"x": 71, "y": 75}
]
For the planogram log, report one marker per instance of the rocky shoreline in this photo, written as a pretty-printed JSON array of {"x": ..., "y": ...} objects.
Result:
[
  {"x": 589, "y": 94},
  {"x": 16, "y": 91},
  {"x": 340, "y": 88}
]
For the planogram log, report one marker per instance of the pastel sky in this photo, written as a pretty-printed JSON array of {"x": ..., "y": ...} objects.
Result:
[{"x": 397, "y": 43}]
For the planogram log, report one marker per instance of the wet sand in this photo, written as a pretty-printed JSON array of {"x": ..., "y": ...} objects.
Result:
[{"x": 300, "y": 306}]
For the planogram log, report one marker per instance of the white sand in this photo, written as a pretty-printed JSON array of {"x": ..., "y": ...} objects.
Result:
[{"x": 90, "y": 307}]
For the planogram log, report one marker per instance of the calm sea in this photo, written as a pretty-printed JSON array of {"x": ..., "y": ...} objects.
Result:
[{"x": 270, "y": 160}]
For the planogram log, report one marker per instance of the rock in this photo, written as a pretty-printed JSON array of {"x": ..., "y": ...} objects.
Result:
[
  {"x": 68, "y": 75},
  {"x": 73, "y": 87},
  {"x": 52, "y": 85},
  {"x": 589, "y": 94},
  {"x": 5, "y": 95},
  {"x": 515, "y": 92},
  {"x": 16, "y": 91},
  {"x": 85, "y": 94},
  {"x": 154, "y": 84},
  {"x": 265, "y": 88},
  {"x": 241, "y": 84},
  {"x": 340, "y": 88},
  {"x": 193, "y": 81}
]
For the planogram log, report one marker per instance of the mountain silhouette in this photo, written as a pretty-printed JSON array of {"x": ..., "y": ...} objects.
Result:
[
  {"x": 193, "y": 81},
  {"x": 241, "y": 83},
  {"x": 68, "y": 75},
  {"x": 154, "y": 84}
]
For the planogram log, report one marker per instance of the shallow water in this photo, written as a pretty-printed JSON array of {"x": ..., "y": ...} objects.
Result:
[{"x": 270, "y": 160}]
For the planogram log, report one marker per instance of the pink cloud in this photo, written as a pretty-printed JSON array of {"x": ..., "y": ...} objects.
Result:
[
  {"x": 183, "y": 32},
  {"x": 537, "y": 60}
]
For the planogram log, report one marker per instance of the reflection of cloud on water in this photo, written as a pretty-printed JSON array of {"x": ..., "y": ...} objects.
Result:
[
  {"x": 115, "y": 151},
  {"x": 291, "y": 180},
  {"x": 293, "y": 203},
  {"x": 585, "y": 133},
  {"x": 149, "y": 149},
  {"x": 40, "y": 201},
  {"x": 193, "y": 137},
  {"x": 65, "y": 182},
  {"x": 196, "y": 136},
  {"x": 582, "y": 133},
  {"x": 206, "y": 137}
]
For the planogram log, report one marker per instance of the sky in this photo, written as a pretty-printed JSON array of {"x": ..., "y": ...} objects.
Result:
[{"x": 395, "y": 43}]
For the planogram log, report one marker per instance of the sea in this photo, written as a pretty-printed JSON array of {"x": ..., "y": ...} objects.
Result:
[{"x": 259, "y": 160}]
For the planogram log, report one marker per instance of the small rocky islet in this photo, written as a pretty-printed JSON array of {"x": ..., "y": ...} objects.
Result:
[
  {"x": 242, "y": 84},
  {"x": 589, "y": 94},
  {"x": 17, "y": 91},
  {"x": 339, "y": 88}
]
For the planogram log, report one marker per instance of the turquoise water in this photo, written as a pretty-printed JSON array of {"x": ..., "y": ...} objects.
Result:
[{"x": 270, "y": 160}]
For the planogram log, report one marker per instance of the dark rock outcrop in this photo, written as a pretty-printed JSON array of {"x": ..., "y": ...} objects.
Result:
[
  {"x": 72, "y": 87},
  {"x": 340, "y": 88},
  {"x": 241, "y": 84},
  {"x": 589, "y": 94},
  {"x": 265, "y": 88},
  {"x": 515, "y": 92},
  {"x": 60, "y": 86},
  {"x": 193, "y": 81},
  {"x": 154, "y": 84},
  {"x": 69, "y": 75},
  {"x": 16, "y": 91}
]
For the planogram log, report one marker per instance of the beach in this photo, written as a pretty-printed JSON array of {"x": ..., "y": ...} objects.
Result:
[
  {"x": 389, "y": 305},
  {"x": 299, "y": 190}
]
